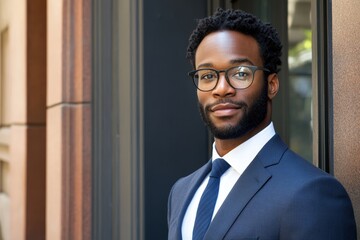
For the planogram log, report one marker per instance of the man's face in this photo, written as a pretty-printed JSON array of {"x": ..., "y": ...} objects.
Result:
[{"x": 231, "y": 113}]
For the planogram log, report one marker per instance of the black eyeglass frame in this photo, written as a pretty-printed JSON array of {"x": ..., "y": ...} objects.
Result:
[{"x": 252, "y": 68}]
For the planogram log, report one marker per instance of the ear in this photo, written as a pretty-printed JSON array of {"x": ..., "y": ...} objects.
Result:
[{"x": 273, "y": 85}]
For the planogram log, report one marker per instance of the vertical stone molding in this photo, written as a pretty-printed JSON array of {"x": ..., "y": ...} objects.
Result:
[
  {"x": 35, "y": 99},
  {"x": 68, "y": 200}
]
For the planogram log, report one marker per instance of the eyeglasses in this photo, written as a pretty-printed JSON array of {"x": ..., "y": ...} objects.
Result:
[{"x": 239, "y": 77}]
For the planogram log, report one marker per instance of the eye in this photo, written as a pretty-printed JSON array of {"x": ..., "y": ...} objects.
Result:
[
  {"x": 207, "y": 75},
  {"x": 241, "y": 73}
]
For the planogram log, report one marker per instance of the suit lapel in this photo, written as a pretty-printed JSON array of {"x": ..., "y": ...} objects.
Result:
[
  {"x": 193, "y": 184},
  {"x": 245, "y": 188},
  {"x": 250, "y": 182}
]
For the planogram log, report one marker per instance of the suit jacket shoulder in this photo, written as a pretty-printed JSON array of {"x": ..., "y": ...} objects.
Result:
[
  {"x": 180, "y": 197},
  {"x": 279, "y": 196}
]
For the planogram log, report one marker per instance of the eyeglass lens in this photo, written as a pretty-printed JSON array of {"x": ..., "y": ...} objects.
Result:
[{"x": 238, "y": 77}]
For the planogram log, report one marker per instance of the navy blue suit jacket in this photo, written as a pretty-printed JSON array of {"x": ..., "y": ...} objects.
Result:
[{"x": 280, "y": 196}]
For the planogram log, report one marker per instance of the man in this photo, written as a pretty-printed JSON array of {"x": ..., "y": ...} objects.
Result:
[{"x": 258, "y": 189}]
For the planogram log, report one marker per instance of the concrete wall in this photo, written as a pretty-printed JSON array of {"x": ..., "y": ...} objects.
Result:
[
  {"x": 22, "y": 115},
  {"x": 346, "y": 62},
  {"x": 45, "y": 119}
]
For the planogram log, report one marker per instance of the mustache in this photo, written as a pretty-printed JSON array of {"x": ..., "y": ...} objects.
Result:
[{"x": 239, "y": 104}]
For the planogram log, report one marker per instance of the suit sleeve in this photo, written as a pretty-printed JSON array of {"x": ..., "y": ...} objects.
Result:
[
  {"x": 320, "y": 210},
  {"x": 169, "y": 206},
  {"x": 173, "y": 212}
]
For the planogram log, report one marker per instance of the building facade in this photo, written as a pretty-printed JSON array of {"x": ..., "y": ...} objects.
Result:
[{"x": 98, "y": 117}]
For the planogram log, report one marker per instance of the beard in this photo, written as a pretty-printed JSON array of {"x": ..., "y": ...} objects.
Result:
[{"x": 253, "y": 116}]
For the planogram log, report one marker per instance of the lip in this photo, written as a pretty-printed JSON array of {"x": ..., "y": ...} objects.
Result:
[{"x": 225, "y": 109}]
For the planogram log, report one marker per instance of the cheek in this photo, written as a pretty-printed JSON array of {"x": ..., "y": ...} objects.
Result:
[{"x": 202, "y": 96}]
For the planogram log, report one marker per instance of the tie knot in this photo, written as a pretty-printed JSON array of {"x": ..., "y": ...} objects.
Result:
[{"x": 219, "y": 166}]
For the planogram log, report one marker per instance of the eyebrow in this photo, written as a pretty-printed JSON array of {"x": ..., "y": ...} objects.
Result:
[{"x": 233, "y": 61}]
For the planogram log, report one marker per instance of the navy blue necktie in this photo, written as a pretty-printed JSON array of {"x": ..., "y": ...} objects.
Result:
[{"x": 208, "y": 199}]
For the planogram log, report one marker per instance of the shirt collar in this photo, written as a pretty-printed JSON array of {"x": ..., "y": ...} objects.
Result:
[{"x": 240, "y": 157}]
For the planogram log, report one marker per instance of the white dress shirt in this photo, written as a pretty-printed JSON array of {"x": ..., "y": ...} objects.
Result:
[{"x": 239, "y": 159}]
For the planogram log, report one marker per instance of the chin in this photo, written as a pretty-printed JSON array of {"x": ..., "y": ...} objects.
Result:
[{"x": 230, "y": 132}]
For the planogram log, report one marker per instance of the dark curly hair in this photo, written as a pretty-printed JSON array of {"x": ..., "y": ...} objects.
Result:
[{"x": 246, "y": 23}]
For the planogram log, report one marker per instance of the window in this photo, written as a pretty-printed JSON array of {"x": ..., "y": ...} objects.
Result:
[
  {"x": 300, "y": 77},
  {"x": 292, "y": 111}
]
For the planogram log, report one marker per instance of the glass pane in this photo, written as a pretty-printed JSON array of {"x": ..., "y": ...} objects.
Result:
[
  {"x": 300, "y": 87},
  {"x": 292, "y": 110}
]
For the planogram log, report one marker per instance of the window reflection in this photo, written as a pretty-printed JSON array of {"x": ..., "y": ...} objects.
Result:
[{"x": 300, "y": 87}]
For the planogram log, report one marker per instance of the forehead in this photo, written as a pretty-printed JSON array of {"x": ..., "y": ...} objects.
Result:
[{"x": 219, "y": 49}]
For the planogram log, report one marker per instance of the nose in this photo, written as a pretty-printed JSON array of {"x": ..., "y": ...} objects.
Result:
[{"x": 223, "y": 88}]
